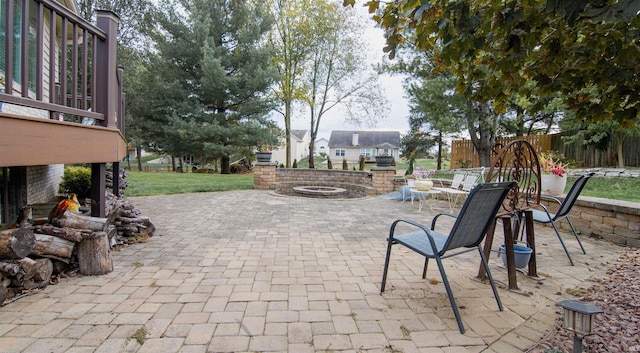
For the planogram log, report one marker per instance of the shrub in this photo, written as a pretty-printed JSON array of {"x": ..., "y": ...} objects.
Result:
[
  {"x": 295, "y": 163},
  {"x": 362, "y": 162},
  {"x": 76, "y": 180},
  {"x": 329, "y": 164},
  {"x": 345, "y": 165}
]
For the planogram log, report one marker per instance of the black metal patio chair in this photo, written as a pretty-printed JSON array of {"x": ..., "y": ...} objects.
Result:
[
  {"x": 468, "y": 231},
  {"x": 544, "y": 216}
]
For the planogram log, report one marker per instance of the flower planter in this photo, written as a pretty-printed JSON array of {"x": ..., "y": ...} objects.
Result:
[
  {"x": 423, "y": 184},
  {"x": 552, "y": 184},
  {"x": 384, "y": 161},
  {"x": 263, "y": 157},
  {"x": 521, "y": 254}
]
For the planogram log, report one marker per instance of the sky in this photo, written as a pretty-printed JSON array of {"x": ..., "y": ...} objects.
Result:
[{"x": 398, "y": 112}]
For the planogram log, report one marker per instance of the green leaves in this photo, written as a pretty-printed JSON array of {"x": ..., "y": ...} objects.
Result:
[{"x": 494, "y": 47}]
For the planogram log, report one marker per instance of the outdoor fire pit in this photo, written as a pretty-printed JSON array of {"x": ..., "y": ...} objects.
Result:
[{"x": 322, "y": 192}]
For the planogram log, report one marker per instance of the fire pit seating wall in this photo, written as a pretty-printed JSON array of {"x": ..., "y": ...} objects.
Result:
[{"x": 357, "y": 183}]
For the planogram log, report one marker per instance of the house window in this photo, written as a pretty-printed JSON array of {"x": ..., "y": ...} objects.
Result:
[
  {"x": 340, "y": 152},
  {"x": 17, "y": 41}
]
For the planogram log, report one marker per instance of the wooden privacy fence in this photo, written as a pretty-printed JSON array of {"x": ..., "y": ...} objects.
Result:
[
  {"x": 464, "y": 154},
  {"x": 592, "y": 156}
]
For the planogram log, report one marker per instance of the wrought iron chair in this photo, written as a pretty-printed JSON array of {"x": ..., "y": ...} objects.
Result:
[
  {"x": 468, "y": 231},
  {"x": 544, "y": 216}
]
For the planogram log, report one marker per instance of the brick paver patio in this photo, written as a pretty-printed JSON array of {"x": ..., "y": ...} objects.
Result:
[{"x": 248, "y": 271}]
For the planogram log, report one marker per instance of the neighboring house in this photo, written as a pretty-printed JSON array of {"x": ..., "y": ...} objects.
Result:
[
  {"x": 299, "y": 147},
  {"x": 350, "y": 145},
  {"x": 61, "y": 101},
  {"x": 321, "y": 146}
]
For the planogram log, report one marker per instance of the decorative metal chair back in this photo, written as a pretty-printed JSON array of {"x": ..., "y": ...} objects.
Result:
[{"x": 517, "y": 161}]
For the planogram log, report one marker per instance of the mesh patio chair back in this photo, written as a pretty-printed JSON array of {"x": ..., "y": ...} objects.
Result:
[
  {"x": 477, "y": 213},
  {"x": 564, "y": 207},
  {"x": 572, "y": 195},
  {"x": 470, "y": 227}
]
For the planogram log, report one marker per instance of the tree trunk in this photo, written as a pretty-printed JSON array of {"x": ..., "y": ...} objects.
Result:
[
  {"x": 439, "y": 156},
  {"x": 64, "y": 233},
  {"x": 482, "y": 133},
  {"x": 139, "y": 158},
  {"x": 94, "y": 255},
  {"x": 71, "y": 220},
  {"x": 16, "y": 243},
  {"x": 619, "y": 151},
  {"x": 53, "y": 247},
  {"x": 225, "y": 165},
  {"x": 287, "y": 133},
  {"x": 312, "y": 163}
]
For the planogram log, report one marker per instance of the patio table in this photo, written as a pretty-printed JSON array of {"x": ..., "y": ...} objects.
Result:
[{"x": 422, "y": 196}]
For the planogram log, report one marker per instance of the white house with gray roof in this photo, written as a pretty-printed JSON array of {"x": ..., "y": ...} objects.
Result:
[
  {"x": 350, "y": 145},
  {"x": 299, "y": 147}
]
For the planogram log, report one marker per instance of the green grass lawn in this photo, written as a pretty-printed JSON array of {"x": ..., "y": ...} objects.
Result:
[
  {"x": 150, "y": 183},
  {"x": 627, "y": 189}
]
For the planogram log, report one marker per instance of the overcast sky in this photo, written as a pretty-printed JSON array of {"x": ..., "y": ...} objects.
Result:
[{"x": 397, "y": 120}]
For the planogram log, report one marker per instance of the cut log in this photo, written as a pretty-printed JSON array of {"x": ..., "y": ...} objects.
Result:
[
  {"x": 30, "y": 284},
  {"x": 16, "y": 243},
  {"x": 37, "y": 270},
  {"x": 53, "y": 247},
  {"x": 94, "y": 255},
  {"x": 9, "y": 269},
  {"x": 4, "y": 293},
  {"x": 71, "y": 220},
  {"x": 25, "y": 214},
  {"x": 65, "y": 233},
  {"x": 146, "y": 228},
  {"x": 6, "y": 281}
]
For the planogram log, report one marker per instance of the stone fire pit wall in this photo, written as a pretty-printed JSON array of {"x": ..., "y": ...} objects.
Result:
[{"x": 375, "y": 182}]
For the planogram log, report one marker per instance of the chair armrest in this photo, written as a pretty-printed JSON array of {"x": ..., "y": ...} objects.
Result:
[
  {"x": 550, "y": 198},
  {"x": 426, "y": 230},
  {"x": 435, "y": 219}
]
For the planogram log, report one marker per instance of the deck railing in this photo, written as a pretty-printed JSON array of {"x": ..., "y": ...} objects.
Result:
[{"x": 58, "y": 63}]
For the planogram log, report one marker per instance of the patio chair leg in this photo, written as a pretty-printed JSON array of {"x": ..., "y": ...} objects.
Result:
[
  {"x": 562, "y": 242},
  {"x": 452, "y": 300},
  {"x": 490, "y": 277},
  {"x": 424, "y": 270},
  {"x": 576, "y": 235},
  {"x": 386, "y": 264}
]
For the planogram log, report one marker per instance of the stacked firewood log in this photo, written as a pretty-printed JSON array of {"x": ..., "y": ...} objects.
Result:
[
  {"x": 109, "y": 180},
  {"x": 36, "y": 253}
]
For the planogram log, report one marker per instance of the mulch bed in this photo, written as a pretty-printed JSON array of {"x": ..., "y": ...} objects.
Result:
[{"x": 618, "y": 328}]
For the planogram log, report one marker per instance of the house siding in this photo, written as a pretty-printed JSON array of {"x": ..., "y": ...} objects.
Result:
[
  {"x": 43, "y": 182},
  {"x": 353, "y": 142}
]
